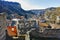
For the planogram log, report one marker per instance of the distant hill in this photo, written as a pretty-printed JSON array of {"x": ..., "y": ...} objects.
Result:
[
  {"x": 11, "y": 7},
  {"x": 14, "y": 7},
  {"x": 38, "y": 11},
  {"x": 42, "y": 11}
]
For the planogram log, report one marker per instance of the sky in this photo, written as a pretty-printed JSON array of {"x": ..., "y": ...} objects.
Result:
[{"x": 37, "y": 4}]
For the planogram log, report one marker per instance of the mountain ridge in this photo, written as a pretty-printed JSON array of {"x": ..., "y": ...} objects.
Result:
[{"x": 14, "y": 7}]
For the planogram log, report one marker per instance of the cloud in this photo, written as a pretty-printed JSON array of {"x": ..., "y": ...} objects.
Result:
[{"x": 25, "y": 5}]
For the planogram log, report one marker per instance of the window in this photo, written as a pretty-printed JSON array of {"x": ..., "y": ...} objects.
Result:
[
  {"x": 33, "y": 23},
  {"x": 27, "y": 24},
  {"x": 21, "y": 24},
  {"x": 13, "y": 23},
  {"x": 59, "y": 17},
  {"x": 1, "y": 23}
]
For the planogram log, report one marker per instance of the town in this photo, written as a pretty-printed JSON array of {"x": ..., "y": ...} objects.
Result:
[{"x": 19, "y": 24}]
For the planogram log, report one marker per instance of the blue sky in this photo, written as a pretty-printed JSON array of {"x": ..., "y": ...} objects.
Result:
[{"x": 37, "y": 4}]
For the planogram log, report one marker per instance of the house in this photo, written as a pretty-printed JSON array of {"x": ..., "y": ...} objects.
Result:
[{"x": 57, "y": 19}]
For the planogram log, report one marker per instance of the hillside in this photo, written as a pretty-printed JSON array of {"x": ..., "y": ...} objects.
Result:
[
  {"x": 53, "y": 16},
  {"x": 12, "y": 8},
  {"x": 15, "y": 8}
]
